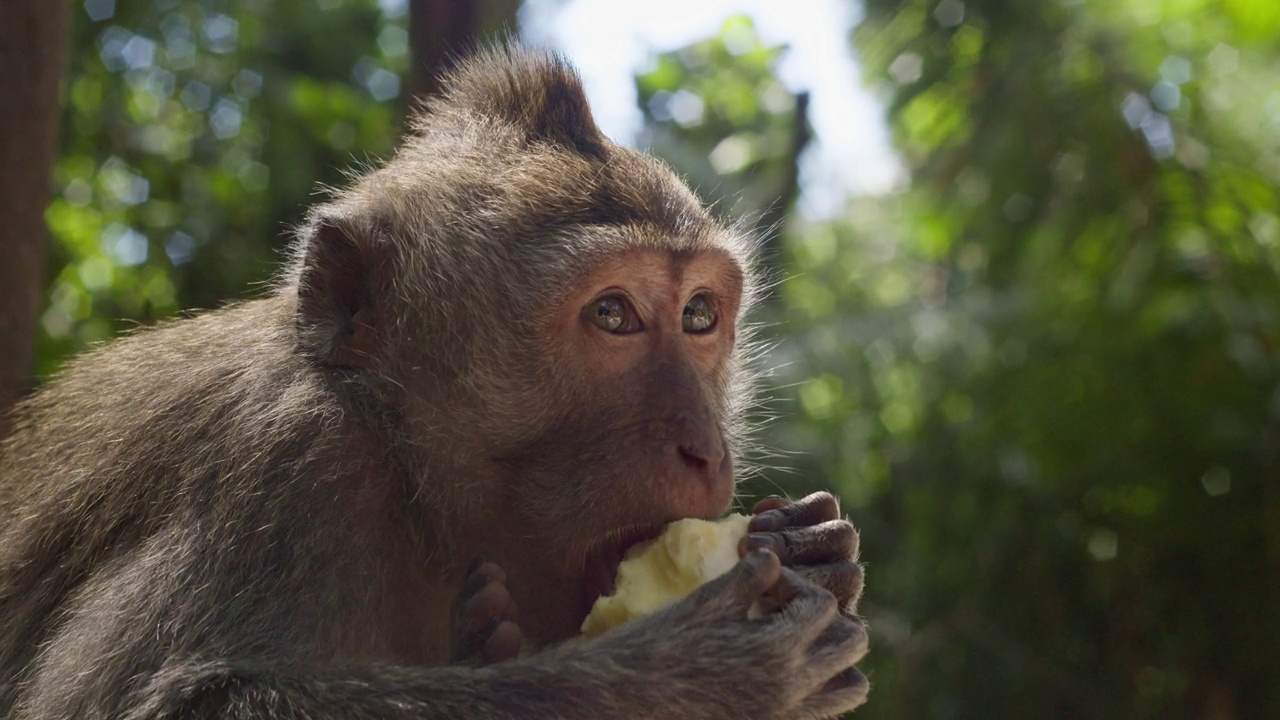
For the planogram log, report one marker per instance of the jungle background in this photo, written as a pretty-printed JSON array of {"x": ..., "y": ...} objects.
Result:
[{"x": 1042, "y": 373}]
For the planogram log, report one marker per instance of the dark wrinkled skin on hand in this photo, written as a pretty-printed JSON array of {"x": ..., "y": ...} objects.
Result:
[
  {"x": 810, "y": 537},
  {"x": 777, "y": 643},
  {"x": 789, "y": 634}
]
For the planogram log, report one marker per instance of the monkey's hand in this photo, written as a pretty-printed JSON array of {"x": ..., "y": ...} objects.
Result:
[
  {"x": 484, "y": 618},
  {"x": 759, "y": 641},
  {"x": 810, "y": 537}
]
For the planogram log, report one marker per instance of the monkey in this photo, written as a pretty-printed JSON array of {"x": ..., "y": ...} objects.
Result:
[{"x": 391, "y": 485}]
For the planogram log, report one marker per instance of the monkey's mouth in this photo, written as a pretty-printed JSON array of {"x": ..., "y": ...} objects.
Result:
[{"x": 600, "y": 570}]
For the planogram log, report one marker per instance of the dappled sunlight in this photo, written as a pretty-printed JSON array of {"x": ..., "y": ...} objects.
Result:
[
  {"x": 201, "y": 116},
  {"x": 1043, "y": 374}
]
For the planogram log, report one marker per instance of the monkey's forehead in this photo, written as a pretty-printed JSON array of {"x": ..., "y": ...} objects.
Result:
[
  {"x": 504, "y": 191},
  {"x": 594, "y": 243}
]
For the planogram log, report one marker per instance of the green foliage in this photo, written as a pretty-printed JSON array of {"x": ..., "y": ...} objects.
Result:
[
  {"x": 1045, "y": 377},
  {"x": 717, "y": 112},
  {"x": 195, "y": 132}
]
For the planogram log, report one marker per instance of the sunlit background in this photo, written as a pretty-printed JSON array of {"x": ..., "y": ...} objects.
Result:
[
  {"x": 851, "y": 150},
  {"x": 1028, "y": 315}
]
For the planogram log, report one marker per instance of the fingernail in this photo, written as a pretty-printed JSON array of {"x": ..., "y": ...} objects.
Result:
[
  {"x": 761, "y": 553},
  {"x": 756, "y": 541}
]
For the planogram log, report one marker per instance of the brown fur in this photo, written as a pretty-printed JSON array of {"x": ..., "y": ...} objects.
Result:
[{"x": 265, "y": 511}]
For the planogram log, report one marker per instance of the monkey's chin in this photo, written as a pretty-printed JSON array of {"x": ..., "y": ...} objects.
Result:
[{"x": 600, "y": 568}]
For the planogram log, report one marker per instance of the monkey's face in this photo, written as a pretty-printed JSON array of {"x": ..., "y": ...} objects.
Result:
[
  {"x": 543, "y": 326},
  {"x": 636, "y": 357}
]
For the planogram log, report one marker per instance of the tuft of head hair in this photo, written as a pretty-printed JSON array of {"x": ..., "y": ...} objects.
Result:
[{"x": 537, "y": 91}]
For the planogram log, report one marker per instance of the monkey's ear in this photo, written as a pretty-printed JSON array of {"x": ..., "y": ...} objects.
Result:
[{"x": 336, "y": 319}]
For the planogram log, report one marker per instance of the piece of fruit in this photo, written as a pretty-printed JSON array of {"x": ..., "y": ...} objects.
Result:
[{"x": 655, "y": 574}]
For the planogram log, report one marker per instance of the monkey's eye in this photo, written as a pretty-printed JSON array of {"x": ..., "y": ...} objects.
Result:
[
  {"x": 699, "y": 315},
  {"x": 611, "y": 313}
]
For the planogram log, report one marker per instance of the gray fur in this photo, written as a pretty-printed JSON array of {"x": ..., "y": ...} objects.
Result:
[{"x": 214, "y": 519}]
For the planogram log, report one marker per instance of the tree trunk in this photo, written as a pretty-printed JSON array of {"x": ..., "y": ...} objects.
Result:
[
  {"x": 774, "y": 219},
  {"x": 441, "y": 31},
  {"x": 34, "y": 36}
]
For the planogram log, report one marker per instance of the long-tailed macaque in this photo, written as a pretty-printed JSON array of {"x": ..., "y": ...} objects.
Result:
[{"x": 392, "y": 487}]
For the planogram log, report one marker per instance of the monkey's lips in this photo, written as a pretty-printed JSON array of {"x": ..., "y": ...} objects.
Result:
[{"x": 600, "y": 570}]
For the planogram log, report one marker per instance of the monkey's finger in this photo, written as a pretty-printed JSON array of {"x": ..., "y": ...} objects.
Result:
[
  {"x": 842, "y": 579},
  {"x": 773, "y": 502},
  {"x": 784, "y": 591},
  {"x": 809, "y": 510},
  {"x": 842, "y": 693},
  {"x": 750, "y": 579},
  {"x": 483, "y": 607},
  {"x": 805, "y": 609},
  {"x": 490, "y": 572},
  {"x": 476, "y": 618},
  {"x": 480, "y": 575},
  {"x": 825, "y": 542},
  {"x": 492, "y": 603},
  {"x": 503, "y": 644},
  {"x": 841, "y": 643}
]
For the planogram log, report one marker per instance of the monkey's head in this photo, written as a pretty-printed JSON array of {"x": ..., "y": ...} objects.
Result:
[{"x": 546, "y": 328}]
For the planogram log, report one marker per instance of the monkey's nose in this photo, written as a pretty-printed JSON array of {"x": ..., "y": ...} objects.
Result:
[{"x": 704, "y": 455}]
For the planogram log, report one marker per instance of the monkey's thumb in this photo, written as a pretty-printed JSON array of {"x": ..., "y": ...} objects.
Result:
[
  {"x": 757, "y": 572},
  {"x": 741, "y": 588}
]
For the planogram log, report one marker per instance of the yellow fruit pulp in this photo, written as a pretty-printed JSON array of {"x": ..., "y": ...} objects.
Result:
[{"x": 655, "y": 574}]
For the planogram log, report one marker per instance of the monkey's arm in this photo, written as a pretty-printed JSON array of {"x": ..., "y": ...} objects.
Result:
[
  {"x": 258, "y": 691},
  {"x": 712, "y": 656}
]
